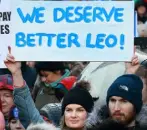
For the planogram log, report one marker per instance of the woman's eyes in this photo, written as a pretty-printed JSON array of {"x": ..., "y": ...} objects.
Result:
[
  {"x": 78, "y": 110},
  {"x": 81, "y": 110},
  {"x": 68, "y": 110}
]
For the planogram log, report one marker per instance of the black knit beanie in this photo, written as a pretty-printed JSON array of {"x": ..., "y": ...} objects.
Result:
[
  {"x": 78, "y": 95},
  {"x": 129, "y": 87},
  {"x": 50, "y": 66}
]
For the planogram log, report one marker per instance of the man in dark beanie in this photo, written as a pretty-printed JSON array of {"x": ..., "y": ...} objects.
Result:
[
  {"x": 124, "y": 102},
  {"x": 124, "y": 99},
  {"x": 129, "y": 87}
]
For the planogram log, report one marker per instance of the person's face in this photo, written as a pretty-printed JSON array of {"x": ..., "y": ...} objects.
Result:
[
  {"x": 7, "y": 101},
  {"x": 2, "y": 121},
  {"x": 141, "y": 10},
  {"x": 121, "y": 110},
  {"x": 75, "y": 116},
  {"x": 49, "y": 77},
  {"x": 15, "y": 125}
]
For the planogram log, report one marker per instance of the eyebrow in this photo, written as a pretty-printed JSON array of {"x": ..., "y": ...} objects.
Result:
[
  {"x": 7, "y": 92},
  {"x": 80, "y": 107},
  {"x": 76, "y": 108},
  {"x": 112, "y": 98},
  {"x": 118, "y": 99}
]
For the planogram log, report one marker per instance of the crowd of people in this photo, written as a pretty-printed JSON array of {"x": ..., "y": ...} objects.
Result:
[
  {"x": 59, "y": 100},
  {"x": 51, "y": 96}
]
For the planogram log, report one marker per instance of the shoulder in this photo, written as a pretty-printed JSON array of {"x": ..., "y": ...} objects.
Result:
[
  {"x": 97, "y": 115},
  {"x": 141, "y": 127},
  {"x": 142, "y": 116}
]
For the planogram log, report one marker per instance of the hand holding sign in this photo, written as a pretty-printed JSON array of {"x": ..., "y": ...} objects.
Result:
[
  {"x": 11, "y": 64},
  {"x": 132, "y": 67}
]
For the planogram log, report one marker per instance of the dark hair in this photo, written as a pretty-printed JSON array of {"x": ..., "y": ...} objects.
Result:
[
  {"x": 140, "y": 3},
  {"x": 50, "y": 66}
]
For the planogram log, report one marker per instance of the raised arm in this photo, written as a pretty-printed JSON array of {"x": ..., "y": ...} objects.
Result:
[{"x": 22, "y": 96}]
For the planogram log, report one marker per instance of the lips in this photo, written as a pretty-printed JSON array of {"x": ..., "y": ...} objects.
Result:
[
  {"x": 117, "y": 115},
  {"x": 74, "y": 121}
]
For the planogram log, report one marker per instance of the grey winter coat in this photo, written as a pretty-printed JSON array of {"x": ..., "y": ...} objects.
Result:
[
  {"x": 142, "y": 116},
  {"x": 99, "y": 114}
]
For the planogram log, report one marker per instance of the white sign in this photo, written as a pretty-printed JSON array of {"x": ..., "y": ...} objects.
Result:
[
  {"x": 5, "y": 38},
  {"x": 73, "y": 30}
]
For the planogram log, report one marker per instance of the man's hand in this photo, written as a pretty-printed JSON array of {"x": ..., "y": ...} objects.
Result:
[{"x": 132, "y": 67}]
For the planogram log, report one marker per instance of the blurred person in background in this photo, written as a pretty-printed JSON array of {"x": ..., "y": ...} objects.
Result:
[
  {"x": 141, "y": 8},
  {"x": 2, "y": 121},
  {"x": 6, "y": 95},
  {"x": 14, "y": 122}
]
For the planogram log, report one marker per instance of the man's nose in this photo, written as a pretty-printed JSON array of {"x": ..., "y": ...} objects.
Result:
[{"x": 117, "y": 106}]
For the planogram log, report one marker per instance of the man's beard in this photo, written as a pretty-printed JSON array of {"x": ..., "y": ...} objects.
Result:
[{"x": 122, "y": 118}]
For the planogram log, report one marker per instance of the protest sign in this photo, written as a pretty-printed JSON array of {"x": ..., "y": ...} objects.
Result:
[
  {"x": 5, "y": 39},
  {"x": 73, "y": 30}
]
